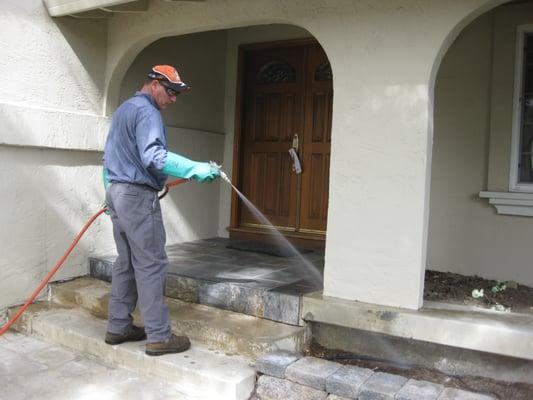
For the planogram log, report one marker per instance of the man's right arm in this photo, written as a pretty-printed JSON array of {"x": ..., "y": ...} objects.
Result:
[{"x": 151, "y": 139}]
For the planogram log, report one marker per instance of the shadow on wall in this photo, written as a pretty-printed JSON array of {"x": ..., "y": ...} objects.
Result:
[{"x": 48, "y": 195}]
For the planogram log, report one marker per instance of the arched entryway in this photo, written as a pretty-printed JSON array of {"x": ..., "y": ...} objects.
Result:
[
  {"x": 482, "y": 130},
  {"x": 258, "y": 92}
]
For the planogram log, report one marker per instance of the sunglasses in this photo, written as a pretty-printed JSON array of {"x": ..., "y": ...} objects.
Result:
[{"x": 171, "y": 92}]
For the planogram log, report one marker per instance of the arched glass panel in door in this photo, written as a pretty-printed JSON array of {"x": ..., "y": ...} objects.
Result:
[
  {"x": 323, "y": 72},
  {"x": 276, "y": 72}
]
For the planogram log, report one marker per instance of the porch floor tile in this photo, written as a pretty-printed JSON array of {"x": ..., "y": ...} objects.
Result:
[{"x": 242, "y": 276}]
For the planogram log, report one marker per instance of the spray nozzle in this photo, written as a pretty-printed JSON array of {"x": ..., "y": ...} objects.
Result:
[{"x": 222, "y": 173}]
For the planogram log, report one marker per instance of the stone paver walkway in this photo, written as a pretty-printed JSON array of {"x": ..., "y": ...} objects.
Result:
[
  {"x": 287, "y": 376},
  {"x": 33, "y": 369}
]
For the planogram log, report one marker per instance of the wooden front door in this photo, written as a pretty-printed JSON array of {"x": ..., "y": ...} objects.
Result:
[{"x": 287, "y": 103}]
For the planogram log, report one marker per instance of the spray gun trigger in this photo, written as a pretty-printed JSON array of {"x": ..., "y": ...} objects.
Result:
[{"x": 222, "y": 173}]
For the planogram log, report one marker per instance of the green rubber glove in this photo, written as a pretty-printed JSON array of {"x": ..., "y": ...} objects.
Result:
[
  {"x": 105, "y": 177},
  {"x": 181, "y": 167}
]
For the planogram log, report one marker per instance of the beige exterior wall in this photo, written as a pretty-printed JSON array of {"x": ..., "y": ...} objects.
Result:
[
  {"x": 51, "y": 140},
  {"x": 378, "y": 215},
  {"x": 200, "y": 59},
  {"x": 506, "y": 21},
  {"x": 51, "y": 94},
  {"x": 471, "y": 153}
]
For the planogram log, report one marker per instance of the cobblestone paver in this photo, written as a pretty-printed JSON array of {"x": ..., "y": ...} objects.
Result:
[
  {"x": 311, "y": 371},
  {"x": 419, "y": 390},
  {"x": 275, "y": 363},
  {"x": 347, "y": 381},
  {"x": 270, "y": 388}
]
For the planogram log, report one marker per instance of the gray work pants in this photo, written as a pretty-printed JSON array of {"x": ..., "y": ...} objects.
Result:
[{"x": 140, "y": 269}]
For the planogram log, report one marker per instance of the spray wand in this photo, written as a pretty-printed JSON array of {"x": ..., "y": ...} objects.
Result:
[{"x": 222, "y": 173}]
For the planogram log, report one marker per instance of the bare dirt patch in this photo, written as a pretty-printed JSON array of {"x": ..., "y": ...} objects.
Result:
[{"x": 447, "y": 287}]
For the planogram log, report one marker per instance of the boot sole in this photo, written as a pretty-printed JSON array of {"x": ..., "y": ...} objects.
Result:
[{"x": 166, "y": 351}]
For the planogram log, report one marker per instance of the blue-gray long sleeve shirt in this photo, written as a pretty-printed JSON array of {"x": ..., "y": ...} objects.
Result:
[{"x": 135, "y": 150}]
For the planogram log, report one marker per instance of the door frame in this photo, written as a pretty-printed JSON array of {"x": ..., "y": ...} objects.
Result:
[{"x": 305, "y": 239}]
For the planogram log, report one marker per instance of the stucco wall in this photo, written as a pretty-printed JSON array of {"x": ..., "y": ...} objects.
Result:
[
  {"x": 47, "y": 196},
  {"x": 200, "y": 60},
  {"x": 506, "y": 20},
  {"x": 377, "y": 219},
  {"x": 377, "y": 228},
  {"x": 52, "y": 74},
  {"x": 473, "y": 123}
]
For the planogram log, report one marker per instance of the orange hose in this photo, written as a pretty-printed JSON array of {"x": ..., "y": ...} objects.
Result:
[{"x": 60, "y": 262}]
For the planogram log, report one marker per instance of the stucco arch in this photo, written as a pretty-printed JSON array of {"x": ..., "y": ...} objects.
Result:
[
  {"x": 123, "y": 59},
  {"x": 456, "y": 30}
]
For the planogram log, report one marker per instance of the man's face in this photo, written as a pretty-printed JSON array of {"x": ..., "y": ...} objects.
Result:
[{"x": 161, "y": 95}]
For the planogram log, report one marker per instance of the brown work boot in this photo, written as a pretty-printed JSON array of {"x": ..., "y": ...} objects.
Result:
[
  {"x": 174, "y": 344},
  {"x": 135, "y": 334}
]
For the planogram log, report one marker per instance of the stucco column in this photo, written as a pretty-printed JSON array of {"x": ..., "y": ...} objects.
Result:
[
  {"x": 377, "y": 221},
  {"x": 381, "y": 153},
  {"x": 380, "y": 165}
]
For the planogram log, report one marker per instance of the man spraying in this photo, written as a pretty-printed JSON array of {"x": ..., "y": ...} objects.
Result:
[{"x": 136, "y": 166}]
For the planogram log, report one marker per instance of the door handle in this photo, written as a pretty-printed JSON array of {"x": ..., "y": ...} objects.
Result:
[{"x": 295, "y": 142}]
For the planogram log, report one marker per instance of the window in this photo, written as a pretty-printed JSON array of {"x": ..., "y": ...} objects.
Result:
[
  {"x": 276, "y": 72},
  {"x": 522, "y": 147}
]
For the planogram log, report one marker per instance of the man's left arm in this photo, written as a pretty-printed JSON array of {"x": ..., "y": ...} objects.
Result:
[{"x": 153, "y": 153}]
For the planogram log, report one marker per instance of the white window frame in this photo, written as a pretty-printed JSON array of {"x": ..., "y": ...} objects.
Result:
[{"x": 514, "y": 185}]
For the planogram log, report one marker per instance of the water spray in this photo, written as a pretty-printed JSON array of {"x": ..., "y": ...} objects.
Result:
[{"x": 279, "y": 238}]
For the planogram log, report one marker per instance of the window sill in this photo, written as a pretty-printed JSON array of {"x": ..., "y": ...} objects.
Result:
[{"x": 510, "y": 203}]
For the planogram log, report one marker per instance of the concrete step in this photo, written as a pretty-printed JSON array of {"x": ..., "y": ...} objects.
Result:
[
  {"x": 199, "y": 373},
  {"x": 224, "y": 330},
  {"x": 207, "y": 272}
]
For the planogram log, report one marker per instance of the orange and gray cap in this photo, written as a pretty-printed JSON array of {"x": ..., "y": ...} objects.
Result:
[{"x": 171, "y": 77}]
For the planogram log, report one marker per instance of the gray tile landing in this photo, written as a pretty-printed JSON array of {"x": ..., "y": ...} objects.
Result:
[{"x": 207, "y": 272}]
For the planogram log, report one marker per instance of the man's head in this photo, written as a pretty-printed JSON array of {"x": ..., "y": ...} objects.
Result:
[{"x": 164, "y": 84}]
